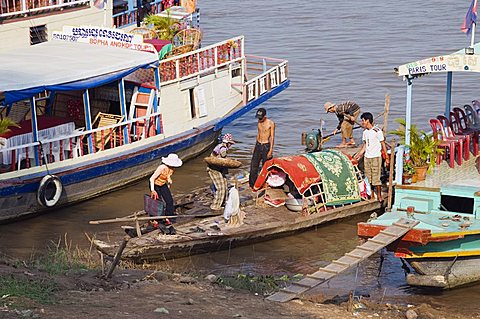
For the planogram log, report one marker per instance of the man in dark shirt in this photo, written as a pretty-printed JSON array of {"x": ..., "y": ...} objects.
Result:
[{"x": 347, "y": 114}]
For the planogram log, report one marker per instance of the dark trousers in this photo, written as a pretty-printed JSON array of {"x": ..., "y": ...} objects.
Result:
[
  {"x": 164, "y": 192},
  {"x": 259, "y": 156}
]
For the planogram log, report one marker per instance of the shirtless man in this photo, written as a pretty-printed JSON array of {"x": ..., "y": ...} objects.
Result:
[{"x": 264, "y": 146}]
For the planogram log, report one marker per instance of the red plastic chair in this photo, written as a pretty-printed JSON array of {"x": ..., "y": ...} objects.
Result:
[
  {"x": 476, "y": 106},
  {"x": 447, "y": 145},
  {"x": 464, "y": 139},
  {"x": 459, "y": 127},
  {"x": 472, "y": 116}
]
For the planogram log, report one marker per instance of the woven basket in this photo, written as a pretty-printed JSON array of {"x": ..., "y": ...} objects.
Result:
[{"x": 224, "y": 162}]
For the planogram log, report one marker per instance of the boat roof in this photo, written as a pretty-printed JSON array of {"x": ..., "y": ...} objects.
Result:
[
  {"x": 53, "y": 64},
  {"x": 458, "y": 61}
]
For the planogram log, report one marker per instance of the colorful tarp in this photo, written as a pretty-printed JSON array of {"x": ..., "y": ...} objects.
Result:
[
  {"x": 340, "y": 185},
  {"x": 335, "y": 169},
  {"x": 301, "y": 172}
]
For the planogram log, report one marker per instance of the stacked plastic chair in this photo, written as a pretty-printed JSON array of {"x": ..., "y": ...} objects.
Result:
[
  {"x": 450, "y": 146},
  {"x": 458, "y": 122},
  {"x": 449, "y": 135}
]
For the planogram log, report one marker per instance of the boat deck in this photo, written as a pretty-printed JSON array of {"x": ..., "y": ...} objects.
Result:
[
  {"x": 440, "y": 223},
  {"x": 212, "y": 233},
  {"x": 442, "y": 175}
]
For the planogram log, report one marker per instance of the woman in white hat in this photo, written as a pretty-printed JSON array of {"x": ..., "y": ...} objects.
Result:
[
  {"x": 218, "y": 173},
  {"x": 161, "y": 180}
]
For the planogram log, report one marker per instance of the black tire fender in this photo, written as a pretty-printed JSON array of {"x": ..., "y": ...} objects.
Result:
[{"x": 46, "y": 181}]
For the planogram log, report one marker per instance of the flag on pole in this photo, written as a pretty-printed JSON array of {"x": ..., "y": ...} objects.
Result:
[{"x": 470, "y": 18}]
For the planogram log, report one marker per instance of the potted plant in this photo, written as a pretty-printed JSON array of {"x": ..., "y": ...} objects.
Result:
[
  {"x": 423, "y": 149},
  {"x": 408, "y": 170},
  {"x": 165, "y": 27}
]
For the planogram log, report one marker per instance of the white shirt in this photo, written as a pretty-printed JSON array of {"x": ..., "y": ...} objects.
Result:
[{"x": 372, "y": 139}]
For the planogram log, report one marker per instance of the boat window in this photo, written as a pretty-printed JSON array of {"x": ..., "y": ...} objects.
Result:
[
  {"x": 457, "y": 204},
  {"x": 193, "y": 109},
  {"x": 236, "y": 72},
  {"x": 38, "y": 34}
]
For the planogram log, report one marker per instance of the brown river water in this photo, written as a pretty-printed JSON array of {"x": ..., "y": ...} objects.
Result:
[{"x": 337, "y": 51}]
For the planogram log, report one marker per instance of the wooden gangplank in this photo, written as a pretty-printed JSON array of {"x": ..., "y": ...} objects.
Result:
[{"x": 360, "y": 253}]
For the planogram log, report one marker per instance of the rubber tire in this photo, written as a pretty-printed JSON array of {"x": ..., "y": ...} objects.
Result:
[{"x": 44, "y": 183}]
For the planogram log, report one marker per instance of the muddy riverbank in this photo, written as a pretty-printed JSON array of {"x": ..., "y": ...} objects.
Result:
[{"x": 49, "y": 290}]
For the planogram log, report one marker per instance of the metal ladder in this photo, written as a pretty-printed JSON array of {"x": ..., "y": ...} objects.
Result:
[{"x": 360, "y": 253}]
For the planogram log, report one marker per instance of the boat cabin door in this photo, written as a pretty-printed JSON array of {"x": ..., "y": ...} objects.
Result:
[{"x": 141, "y": 107}]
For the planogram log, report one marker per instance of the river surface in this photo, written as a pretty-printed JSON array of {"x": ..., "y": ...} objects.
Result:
[{"x": 337, "y": 51}]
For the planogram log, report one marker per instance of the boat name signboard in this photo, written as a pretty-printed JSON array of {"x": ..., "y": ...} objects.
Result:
[
  {"x": 442, "y": 63},
  {"x": 103, "y": 36}
]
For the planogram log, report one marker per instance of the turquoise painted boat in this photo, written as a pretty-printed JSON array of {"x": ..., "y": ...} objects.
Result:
[{"x": 444, "y": 248}]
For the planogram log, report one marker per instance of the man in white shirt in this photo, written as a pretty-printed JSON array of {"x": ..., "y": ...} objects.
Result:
[{"x": 373, "y": 144}]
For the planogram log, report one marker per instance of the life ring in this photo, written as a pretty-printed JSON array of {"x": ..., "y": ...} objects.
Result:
[{"x": 47, "y": 196}]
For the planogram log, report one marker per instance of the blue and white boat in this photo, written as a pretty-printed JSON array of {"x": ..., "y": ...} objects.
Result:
[
  {"x": 25, "y": 23},
  {"x": 444, "y": 248},
  {"x": 94, "y": 118}
]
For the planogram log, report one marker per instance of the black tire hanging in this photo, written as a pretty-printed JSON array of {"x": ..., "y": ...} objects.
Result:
[{"x": 44, "y": 196}]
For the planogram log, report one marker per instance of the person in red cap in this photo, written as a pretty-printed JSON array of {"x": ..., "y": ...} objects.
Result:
[
  {"x": 264, "y": 145},
  {"x": 218, "y": 173}
]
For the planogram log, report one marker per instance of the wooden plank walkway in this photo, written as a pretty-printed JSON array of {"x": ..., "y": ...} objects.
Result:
[{"x": 360, "y": 253}]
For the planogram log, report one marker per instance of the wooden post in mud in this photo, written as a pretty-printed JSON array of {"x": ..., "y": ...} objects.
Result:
[
  {"x": 118, "y": 254},
  {"x": 390, "y": 176}
]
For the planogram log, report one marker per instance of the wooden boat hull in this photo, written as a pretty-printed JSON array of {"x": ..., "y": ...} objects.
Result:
[
  {"x": 93, "y": 175},
  {"x": 260, "y": 225},
  {"x": 444, "y": 273}
]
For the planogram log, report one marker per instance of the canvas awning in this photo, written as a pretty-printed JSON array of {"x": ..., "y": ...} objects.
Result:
[
  {"x": 332, "y": 167},
  {"x": 58, "y": 65},
  {"x": 458, "y": 61}
]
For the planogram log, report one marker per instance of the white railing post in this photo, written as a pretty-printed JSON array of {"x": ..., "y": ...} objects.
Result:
[
  {"x": 24, "y": 5},
  {"x": 177, "y": 69}
]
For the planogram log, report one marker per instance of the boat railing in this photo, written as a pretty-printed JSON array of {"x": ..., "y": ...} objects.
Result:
[
  {"x": 11, "y": 8},
  {"x": 201, "y": 61},
  {"x": 77, "y": 144},
  {"x": 127, "y": 18},
  {"x": 267, "y": 74}
]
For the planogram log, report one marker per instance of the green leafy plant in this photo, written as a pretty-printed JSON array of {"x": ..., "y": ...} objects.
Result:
[
  {"x": 166, "y": 27},
  {"x": 423, "y": 147},
  {"x": 408, "y": 167},
  {"x": 5, "y": 123}
]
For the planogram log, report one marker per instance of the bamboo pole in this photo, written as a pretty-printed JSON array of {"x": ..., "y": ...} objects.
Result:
[
  {"x": 133, "y": 219},
  {"x": 386, "y": 110}
]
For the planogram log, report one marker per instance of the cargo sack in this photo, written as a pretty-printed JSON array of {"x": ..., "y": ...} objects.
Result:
[{"x": 153, "y": 207}]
